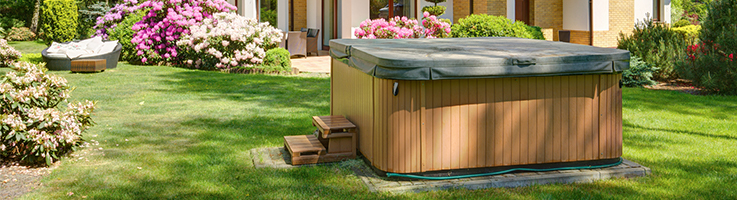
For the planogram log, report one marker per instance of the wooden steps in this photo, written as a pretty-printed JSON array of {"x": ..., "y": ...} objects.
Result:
[{"x": 334, "y": 132}]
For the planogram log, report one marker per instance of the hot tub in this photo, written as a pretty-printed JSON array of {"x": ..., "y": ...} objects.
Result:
[{"x": 460, "y": 103}]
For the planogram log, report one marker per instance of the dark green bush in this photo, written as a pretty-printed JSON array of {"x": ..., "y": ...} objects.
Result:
[
  {"x": 434, "y": 10},
  {"x": 269, "y": 15},
  {"x": 276, "y": 60},
  {"x": 483, "y": 25},
  {"x": 657, "y": 45},
  {"x": 124, "y": 34},
  {"x": 88, "y": 17},
  {"x": 20, "y": 34},
  {"x": 639, "y": 73},
  {"x": 536, "y": 32},
  {"x": 681, "y": 23},
  {"x": 711, "y": 65},
  {"x": 59, "y": 20}
]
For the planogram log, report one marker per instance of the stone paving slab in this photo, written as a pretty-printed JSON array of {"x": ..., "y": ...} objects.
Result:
[{"x": 278, "y": 157}]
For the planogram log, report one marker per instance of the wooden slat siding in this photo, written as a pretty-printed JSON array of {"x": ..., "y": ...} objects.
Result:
[
  {"x": 612, "y": 116},
  {"x": 455, "y": 131},
  {"x": 481, "y": 122},
  {"x": 595, "y": 119},
  {"x": 558, "y": 116},
  {"x": 355, "y": 102},
  {"x": 507, "y": 121},
  {"x": 426, "y": 125},
  {"x": 564, "y": 118},
  {"x": 446, "y": 124},
  {"x": 379, "y": 141},
  {"x": 603, "y": 135},
  {"x": 473, "y": 124},
  {"x": 399, "y": 131},
  {"x": 491, "y": 126},
  {"x": 415, "y": 149},
  {"x": 524, "y": 130},
  {"x": 514, "y": 123},
  {"x": 581, "y": 117},
  {"x": 572, "y": 119},
  {"x": 437, "y": 125},
  {"x": 424, "y": 139},
  {"x": 540, "y": 120},
  {"x": 619, "y": 117},
  {"x": 391, "y": 129},
  {"x": 499, "y": 124},
  {"x": 608, "y": 116},
  {"x": 549, "y": 119},
  {"x": 463, "y": 125},
  {"x": 589, "y": 115}
]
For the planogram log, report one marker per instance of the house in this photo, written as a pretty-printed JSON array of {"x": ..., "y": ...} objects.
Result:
[{"x": 561, "y": 20}]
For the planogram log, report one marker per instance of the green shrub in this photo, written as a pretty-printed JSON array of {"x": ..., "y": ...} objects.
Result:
[
  {"x": 690, "y": 32},
  {"x": 276, "y": 60},
  {"x": 20, "y": 34},
  {"x": 269, "y": 15},
  {"x": 434, "y": 10},
  {"x": 483, "y": 25},
  {"x": 33, "y": 126},
  {"x": 639, "y": 73},
  {"x": 436, "y": 2},
  {"x": 124, "y": 34},
  {"x": 536, "y": 32},
  {"x": 711, "y": 65},
  {"x": 681, "y": 23},
  {"x": 657, "y": 45},
  {"x": 8, "y": 54},
  {"x": 88, "y": 17},
  {"x": 34, "y": 58},
  {"x": 59, "y": 20}
]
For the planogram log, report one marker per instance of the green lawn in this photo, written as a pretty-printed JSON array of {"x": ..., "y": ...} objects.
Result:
[
  {"x": 190, "y": 132},
  {"x": 28, "y": 46}
]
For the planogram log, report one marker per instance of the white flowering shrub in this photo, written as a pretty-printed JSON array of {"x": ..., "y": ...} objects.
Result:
[
  {"x": 7, "y": 54},
  {"x": 226, "y": 41},
  {"x": 33, "y": 127}
]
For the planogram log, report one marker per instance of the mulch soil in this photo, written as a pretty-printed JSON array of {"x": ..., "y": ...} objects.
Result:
[{"x": 680, "y": 85}]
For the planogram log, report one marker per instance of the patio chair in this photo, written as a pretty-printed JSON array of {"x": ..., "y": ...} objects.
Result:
[
  {"x": 297, "y": 43},
  {"x": 283, "y": 43},
  {"x": 312, "y": 35}
]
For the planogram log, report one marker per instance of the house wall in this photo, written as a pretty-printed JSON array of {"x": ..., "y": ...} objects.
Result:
[
  {"x": 460, "y": 9},
  {"x": 300, "y": 15},
  {"x": 548, "y": 14},
  {"x": 620, "y": 21},
  {"x": 496, "y": 7}
]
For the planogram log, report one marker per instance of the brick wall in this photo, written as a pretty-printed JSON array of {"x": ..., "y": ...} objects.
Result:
[
  {"x": 580, "y": 37},
  {"x": 621, "y": 19},
  {"x": 496, "y": 7},
  {"x": 479, "y": 6},
  {"x": 548, "y": 14},
  {"x": 461, "y": 9},
  {"x": 300, "y": 15}
]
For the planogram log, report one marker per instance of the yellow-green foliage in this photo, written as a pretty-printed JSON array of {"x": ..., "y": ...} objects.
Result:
[
  {"x": 59, "y": 20},
  {"x": 689, "y": 31},
  {"x": 34, "y": 58}
]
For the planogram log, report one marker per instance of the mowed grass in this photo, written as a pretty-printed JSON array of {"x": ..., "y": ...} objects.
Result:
[
  {"x": 25, "y": 47},
  {"x": 190, "y": 132}
]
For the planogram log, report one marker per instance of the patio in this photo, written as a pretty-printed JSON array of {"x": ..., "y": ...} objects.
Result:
[{"x": 313, "y": 64}]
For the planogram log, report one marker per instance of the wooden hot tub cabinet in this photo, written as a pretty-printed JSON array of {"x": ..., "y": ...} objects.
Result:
[{"x": 468, "y": 123}]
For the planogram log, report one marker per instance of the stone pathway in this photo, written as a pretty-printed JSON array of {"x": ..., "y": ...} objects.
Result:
[
  {"x": 277, "y": 157},
  {"x": 313, "y": 64}
]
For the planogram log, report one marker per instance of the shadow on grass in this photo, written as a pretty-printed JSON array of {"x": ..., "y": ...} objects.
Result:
[{"x": 627, "y": 124}]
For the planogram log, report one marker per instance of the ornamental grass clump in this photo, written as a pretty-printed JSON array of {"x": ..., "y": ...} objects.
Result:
[
  {"x": 33, "y": 127},
  {"x": 225, "y": 41},
  {"x": 402, "y": 28},
  {"x": 8, "y": 54}
]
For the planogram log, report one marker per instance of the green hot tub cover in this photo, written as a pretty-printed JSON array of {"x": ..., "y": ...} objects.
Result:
[{"x": 465, "y": 58}]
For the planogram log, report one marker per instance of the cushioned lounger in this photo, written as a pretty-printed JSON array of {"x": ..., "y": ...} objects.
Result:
[{"x": 62, "y": 62}]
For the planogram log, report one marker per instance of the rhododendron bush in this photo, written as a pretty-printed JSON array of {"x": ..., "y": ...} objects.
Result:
[
  {"x": 403, "y": 27},
  {"x": 32, "y": 126},
  {"x": 7, "y": 54},
  {"x": 225, "y": 41},
  {"x": 164, "y": 24}
]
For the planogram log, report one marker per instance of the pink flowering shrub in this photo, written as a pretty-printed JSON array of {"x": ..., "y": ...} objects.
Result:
[
  {"x": 7, "y": 54},
  {"x": 32, "y": 127},
  {"x": 164, "y": 24},
  {"x": 225, "y": 41},
  {"x": 403, "y": 27}
]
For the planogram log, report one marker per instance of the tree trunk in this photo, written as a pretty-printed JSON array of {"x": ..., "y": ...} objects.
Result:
[{"x": 34, "y": 20}]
